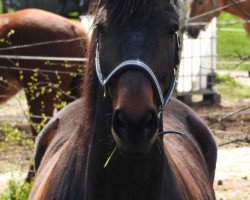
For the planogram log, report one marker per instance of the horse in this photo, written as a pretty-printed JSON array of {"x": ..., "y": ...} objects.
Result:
[
  {"x": 28, "y": 35},
  {"x": 115, "y": 142},
  {"x": 61, "y": 7},
  {"x": 203, "y": 11}
]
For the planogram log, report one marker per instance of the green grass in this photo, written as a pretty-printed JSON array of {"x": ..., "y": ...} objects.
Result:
[
  {"x": 232, "y": 44},
  {"x": 229, "y": 88}
]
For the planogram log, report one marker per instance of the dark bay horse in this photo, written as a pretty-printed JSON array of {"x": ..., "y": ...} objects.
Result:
[
  {"x": 110, "y": 144},
  {"x": 203, "y": 11},
  {"x": 36, "y": 33}
]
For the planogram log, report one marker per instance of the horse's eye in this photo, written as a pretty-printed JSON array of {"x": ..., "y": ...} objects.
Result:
[
  {"x": 200, "y": 3},
  {"x": 172, "y": 30},
  {"x": 101, "y": 29}
]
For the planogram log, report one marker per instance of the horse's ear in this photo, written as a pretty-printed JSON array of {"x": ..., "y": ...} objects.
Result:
[{"x": 43, "y": 140}]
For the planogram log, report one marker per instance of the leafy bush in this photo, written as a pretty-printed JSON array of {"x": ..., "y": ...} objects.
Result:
[
  {"x": 16, "y": 191},
  {"x": 12, "y": 136}
]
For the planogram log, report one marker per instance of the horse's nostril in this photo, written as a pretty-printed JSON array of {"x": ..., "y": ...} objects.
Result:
[
  {"x": 149, "y": 117},
  {"x": 151, "y": 122},
  {"x": 119, "y": 123},
  {"x": 121, "y": 120}
]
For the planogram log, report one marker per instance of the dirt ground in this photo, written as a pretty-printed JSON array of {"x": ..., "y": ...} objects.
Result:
[
  {"x": 232, "y": 133},
  {"x": 232, "y": 178}
]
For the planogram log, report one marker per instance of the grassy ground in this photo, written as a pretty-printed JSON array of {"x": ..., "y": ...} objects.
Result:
[
  {"x": 231, "y": 89},
  {"x": 232, "y": 47},
  {"x": 231, "y": 44}
]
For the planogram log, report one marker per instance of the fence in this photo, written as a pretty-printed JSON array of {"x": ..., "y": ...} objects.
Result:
[
  {"x": 198, "y": 65},
  {"x": 197, "y": 68}
]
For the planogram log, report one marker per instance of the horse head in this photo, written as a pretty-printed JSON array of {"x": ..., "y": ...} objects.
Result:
[
  {"x": 201, "y": 13},
  {"x": 136, "y": 56}
]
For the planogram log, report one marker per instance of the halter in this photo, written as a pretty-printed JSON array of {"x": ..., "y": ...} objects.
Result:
[
  {"x": 162, "y": 99},
  {"x": 236, "y": 3}
]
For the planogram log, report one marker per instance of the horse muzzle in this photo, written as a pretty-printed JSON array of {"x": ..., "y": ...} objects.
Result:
[
  {"x": 134, "y": 135},
  {"x": 193, "y": 32}
]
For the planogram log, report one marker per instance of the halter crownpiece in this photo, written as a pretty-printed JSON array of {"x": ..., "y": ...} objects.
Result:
[{"x": 162, "y": 99}]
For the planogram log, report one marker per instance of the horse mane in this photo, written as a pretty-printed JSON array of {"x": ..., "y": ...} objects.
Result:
[{"x": 78, "y": 142}]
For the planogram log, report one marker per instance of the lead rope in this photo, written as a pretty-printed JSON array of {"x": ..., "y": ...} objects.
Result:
[
  {"x": 161, "y": 132},
  {"x": 170, "y": 132}
]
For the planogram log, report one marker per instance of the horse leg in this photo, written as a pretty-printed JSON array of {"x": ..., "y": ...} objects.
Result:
[{"x": 9, "y": 87}]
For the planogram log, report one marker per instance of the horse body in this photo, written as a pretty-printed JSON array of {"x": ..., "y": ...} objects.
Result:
[
  {"x": 61, "y": 7},
  {"x": 202, "y": 12},
  {"x": 106, "y": 144},
  {"x": 149, "y": 177},
  {"x": 23, "y": 34}
]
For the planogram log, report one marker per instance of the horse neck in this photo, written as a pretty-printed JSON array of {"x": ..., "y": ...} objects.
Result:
[
  {"x": 124, "y": 178},
  {"x": 242, "y": 10}
]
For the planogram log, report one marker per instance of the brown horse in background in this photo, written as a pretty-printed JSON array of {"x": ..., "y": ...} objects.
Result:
[
  {"x": 203, "y": 11},
  {"x": 36, "y": 33},
  {"x": 110, "y": 144}
]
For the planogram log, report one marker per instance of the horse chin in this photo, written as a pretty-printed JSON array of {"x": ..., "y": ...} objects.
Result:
[{"x": 134, "y": 150}]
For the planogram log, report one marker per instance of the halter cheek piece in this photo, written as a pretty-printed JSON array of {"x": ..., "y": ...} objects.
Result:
[{"x": 162, "y": 99}]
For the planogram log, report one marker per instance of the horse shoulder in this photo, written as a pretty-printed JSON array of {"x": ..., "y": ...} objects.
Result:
[
  {"x": 201, "y": 133},
  {"x": 62, "y": 125}
]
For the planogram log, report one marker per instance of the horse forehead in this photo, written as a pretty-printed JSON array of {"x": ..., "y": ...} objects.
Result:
[
  {"x": 142, "y": 10},
  {"x": 157, "y": 18}
]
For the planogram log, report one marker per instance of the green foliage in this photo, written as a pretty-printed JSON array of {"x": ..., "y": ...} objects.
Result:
[
  {"x": 42, "y": 123},
  {"x": 226, "y": 79},
  {"x": 231, "y": 45},
  {"x": 10, "y": 33},
  {"x": 12, "y": 136},
  {"x": 1, "y": 8},
  {"x": 16, "y": 191}
]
